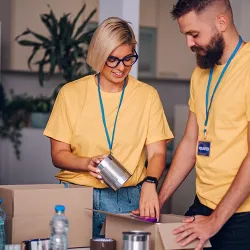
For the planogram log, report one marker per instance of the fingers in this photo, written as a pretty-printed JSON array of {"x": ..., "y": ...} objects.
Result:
[
  {"x": 92, "y": 167},
  {"x": 94, "y": 171},
  {"x": 136, "y": 212},
  {"x": 189, "y": 219},
  {"x": 180, "y": 229},
  {"x": 200, "y": 245},
  {"x": 95, "y": 174},
  {"x": 189, "y": 239},
  {"x": 149, "y": 210},
  {"x": 157, "y": 211},
  {"x": 184, "y": 235}
]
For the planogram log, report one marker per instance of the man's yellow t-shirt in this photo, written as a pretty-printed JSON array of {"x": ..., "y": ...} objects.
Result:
[
  {"x": 227, "y": 127},
  {"x": 76, "y": 120}
]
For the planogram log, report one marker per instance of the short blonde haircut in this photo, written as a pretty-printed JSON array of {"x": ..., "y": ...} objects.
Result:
[{"x": 110, "y": 34}]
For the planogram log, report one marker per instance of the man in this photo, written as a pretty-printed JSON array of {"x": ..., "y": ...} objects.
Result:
[{"x": 217, "y": 136}]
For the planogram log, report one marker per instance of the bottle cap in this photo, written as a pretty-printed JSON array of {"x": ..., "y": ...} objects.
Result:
[{"x": 59, "y": 208}]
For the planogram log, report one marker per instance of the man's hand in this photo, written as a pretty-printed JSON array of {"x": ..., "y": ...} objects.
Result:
[
  {"x": 149, "y": 203},
  {"x": 197, "y": 227}
]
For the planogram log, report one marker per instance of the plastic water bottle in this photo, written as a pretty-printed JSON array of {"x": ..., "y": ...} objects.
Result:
[
  {"x": 2, "y": 231},
  {"x": 59, "y": 228}
]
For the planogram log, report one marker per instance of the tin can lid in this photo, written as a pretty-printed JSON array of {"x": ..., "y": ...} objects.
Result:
[{"x": 135, "y": 232}]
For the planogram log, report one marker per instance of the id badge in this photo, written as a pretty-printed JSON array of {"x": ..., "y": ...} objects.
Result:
[{"x": 204, "y": 148}]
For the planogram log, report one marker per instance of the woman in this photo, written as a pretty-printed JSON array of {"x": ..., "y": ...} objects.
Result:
[{"x": 110, "y": 111}]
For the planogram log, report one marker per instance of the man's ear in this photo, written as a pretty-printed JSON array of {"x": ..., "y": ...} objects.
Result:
[{"x": 221, "y": 23}]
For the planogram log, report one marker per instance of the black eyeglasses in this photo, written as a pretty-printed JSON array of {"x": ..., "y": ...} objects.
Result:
[{"x": 127, "y": 61}]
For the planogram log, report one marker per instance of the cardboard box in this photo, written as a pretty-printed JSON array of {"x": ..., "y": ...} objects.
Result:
[
  {"x": 30, "y": 208},
  {"x": 161, "y": 237}
]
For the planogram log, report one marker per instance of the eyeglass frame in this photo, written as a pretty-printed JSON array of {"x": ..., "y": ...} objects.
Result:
[{"x": 122, "y": 60}]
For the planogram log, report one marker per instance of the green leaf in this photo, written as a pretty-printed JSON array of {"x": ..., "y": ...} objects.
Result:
[
  {"x": 41, "y": 74},
  {"x": 86, "y": 37},
  {"x": 52, "y": 64},
  {"x": 26, "y": 32},
  {"x": 52, "y": 27},
  {"x": 40, "y": 37},
  {"x": 77, "y": 17},
  {"x": 35, "y": 49},
  {"x": 53, "y": 17},
  {"x": 29, "y": 43},
  {"x": 65, "y": 29},
  {"x": 83, "y": 26}
]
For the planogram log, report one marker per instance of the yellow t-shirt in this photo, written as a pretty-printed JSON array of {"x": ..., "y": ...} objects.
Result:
[
  {"x": 76, "y": 120},
  {"x": 227, "y": 127}
]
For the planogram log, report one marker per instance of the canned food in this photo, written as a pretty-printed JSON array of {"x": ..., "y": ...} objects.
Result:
[{"x": 113, "y": 173}]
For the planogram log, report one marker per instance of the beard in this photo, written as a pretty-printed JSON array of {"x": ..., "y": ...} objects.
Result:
[{"x": 208, "y": 56}]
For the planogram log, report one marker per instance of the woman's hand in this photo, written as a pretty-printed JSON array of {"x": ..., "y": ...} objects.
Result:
[
  {"x": 149, "y": 203},
  {"x": 92, "y": 166}
]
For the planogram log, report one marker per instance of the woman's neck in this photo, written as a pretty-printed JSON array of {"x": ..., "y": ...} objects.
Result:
[{"x": 108, "y": 86}]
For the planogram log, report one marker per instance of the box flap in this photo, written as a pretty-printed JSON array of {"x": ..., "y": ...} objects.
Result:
[
  {"x": 37, "y": 200},
  {"x": 128, "y": 216},
  {"x": 169, "y": 240},
  {"x": 31, "y": 186},
  {"x": 171, "y": 218}
]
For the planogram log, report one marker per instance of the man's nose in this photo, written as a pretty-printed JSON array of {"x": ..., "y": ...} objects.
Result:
[{"x": 190, "y": 41}]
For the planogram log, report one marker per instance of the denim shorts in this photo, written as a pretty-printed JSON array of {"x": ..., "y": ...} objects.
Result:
[{"x": 123, "y": 200}]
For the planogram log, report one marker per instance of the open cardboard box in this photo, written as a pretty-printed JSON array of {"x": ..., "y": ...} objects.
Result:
[
  {"x": 161, "y": 237},
  {"x": 30, "y": 208}
]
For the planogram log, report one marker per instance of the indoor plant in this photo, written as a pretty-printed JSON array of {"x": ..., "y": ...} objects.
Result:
[
  {"x": 41, "y": 108},
  {"x": 14, "y": 115},
  {"x": 65, "y": 49}
]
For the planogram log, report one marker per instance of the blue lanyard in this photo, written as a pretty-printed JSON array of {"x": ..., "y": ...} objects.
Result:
[
  {"x": 208, "y": 105},
  {"x": 110, "y": 142}
]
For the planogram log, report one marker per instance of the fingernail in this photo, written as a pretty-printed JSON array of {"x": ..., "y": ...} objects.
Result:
[
  {"x": 98, "y": 170},
  {"x": 99, "y": 177},
  {"x": 102, "y": 181}
]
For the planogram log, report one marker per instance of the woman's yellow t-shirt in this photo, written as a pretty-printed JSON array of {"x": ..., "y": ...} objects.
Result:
[{"x": 76, "y": 120}]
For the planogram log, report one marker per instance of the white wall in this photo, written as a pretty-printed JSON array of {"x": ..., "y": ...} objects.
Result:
[
  {"x": 184, "y": 196},
  {"x": 241, "y": 10}
]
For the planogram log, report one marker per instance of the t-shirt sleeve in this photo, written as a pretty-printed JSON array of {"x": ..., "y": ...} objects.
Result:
[
  {"x": 191, "y": 101},
  {"x": 59, "y": 125},
  {"x": 248, "y": 98},
  {"x": 158, "y": 128}
]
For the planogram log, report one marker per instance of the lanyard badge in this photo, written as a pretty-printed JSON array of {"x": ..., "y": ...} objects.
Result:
[
  {"x": 110, "y": 142},
  {"x": 203, "y": 146}
]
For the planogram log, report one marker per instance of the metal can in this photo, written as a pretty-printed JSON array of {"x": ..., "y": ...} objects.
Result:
[
  {"x": 136, "y": 240},
  {"x": 113, "y": 173},
  {"x": 102, "y": 244}
]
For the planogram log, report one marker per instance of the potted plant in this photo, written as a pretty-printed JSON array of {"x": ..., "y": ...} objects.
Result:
[
  {"x": 65, "y": 49},
  {"x": 41, "y": 108},
  {"x": 14, "y": 115}
]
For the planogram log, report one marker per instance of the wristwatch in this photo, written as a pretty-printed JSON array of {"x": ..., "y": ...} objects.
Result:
[{"x": 151, "y": 179}]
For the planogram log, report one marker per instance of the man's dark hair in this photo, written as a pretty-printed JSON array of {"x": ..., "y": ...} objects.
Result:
[{"x": 185, "y": 6}]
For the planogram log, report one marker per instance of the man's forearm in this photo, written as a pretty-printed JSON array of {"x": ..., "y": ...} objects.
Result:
[
  {"x": 68, "y": 161},
  {"x": 237, "y": 193},
  {"x": 183, "y": 163}
]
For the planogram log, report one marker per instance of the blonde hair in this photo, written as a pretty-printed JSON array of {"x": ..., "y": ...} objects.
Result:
[{"x": 111, "y": 33}]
